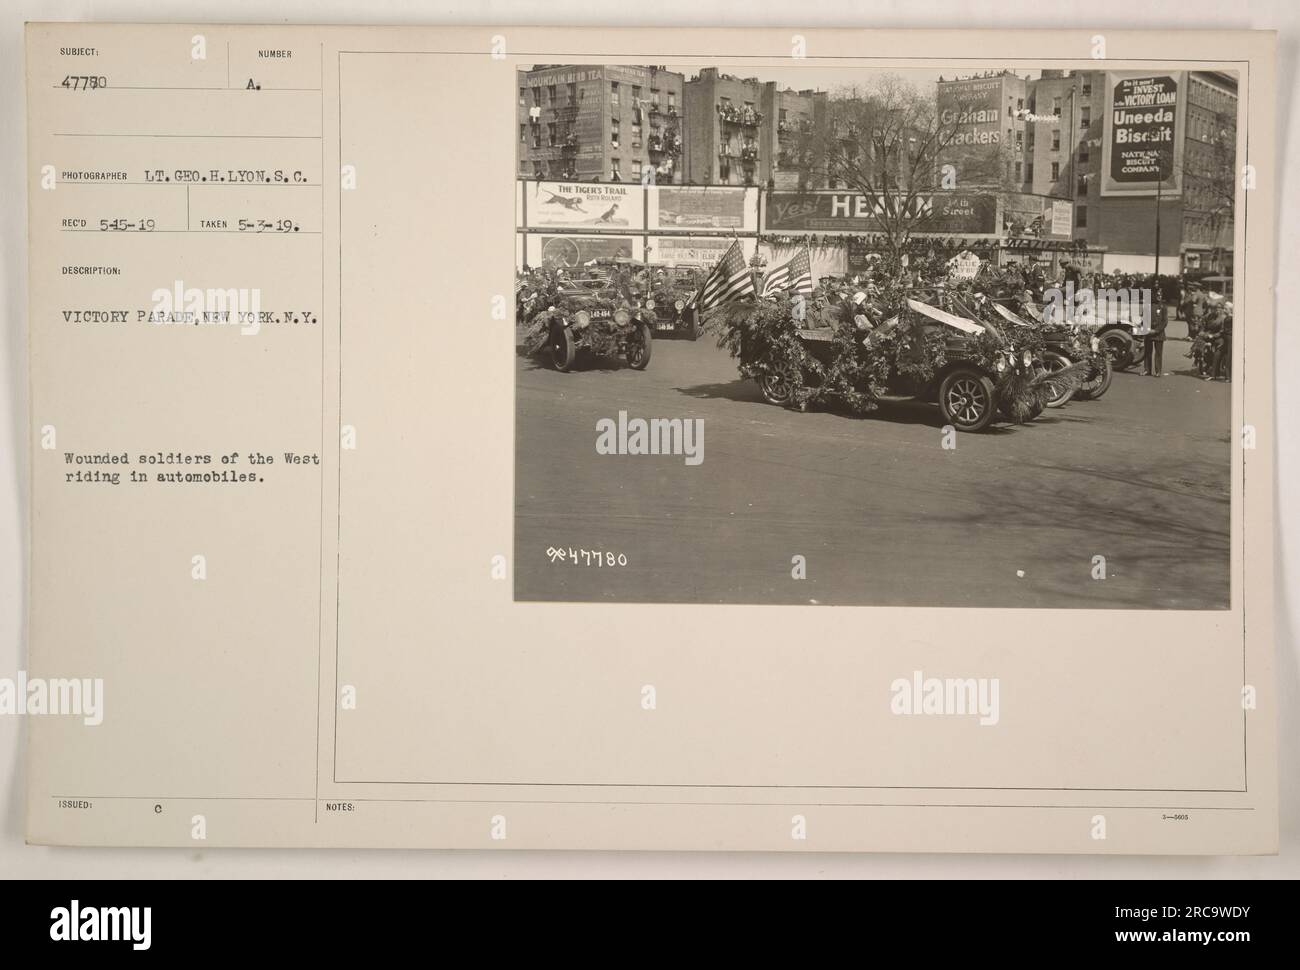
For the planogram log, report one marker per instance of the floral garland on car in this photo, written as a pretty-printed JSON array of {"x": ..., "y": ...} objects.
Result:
[
  {"x": 854, "y": 369},
  {"x": 600, "y": 336},
  {"x": 852, "y": 373}
]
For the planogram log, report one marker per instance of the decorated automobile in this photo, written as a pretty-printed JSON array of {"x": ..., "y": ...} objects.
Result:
[
  {"x": 1119, "y": 326},
  {"x": 669, "y": 294},
  {"x": 598, "y": 317},
  {"x": 1063, "y": 345},
  {"x": 971, "y": 369}
]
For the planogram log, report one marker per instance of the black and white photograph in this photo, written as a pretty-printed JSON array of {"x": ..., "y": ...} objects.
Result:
[{"x": 825, "y": 335}]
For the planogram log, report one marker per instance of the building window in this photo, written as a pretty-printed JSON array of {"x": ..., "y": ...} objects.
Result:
[
  {"x": 615, "y": 174},
  {"x": 613, "y": 134},
  {"x": 636, "y": 170},
  {"x": 613, "y": 94},
  {"x": 1017, "y": 171},
  {"x": 672, "y": 103},
  {"x": 573, "y": 92},
  {"x": 1085, "y": 116},
  {"x": 523, "y": 132},
  {"x": 523, "y": 96},
  {"x": 1081, "y": 216},
  {"x": 1056, "y": 171},
  {"x": 550, "y": 93},
  {"x": 1084, "y": 154},
  {"x": 1029, "y": 171},
  {"x": 550, "y": 134},
  {"x": 537, "y": 96},
  {"x": 636, "y": 94},
  {"x": 1082, "y": 187},
  {"x": 1086, "y": 90},
  {"x": 1056, "y": 107},
  {"x": 1020, "y": 104},
  {"x": 1056, "y": 140}
]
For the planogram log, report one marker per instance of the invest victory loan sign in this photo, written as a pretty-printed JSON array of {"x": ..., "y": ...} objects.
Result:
[{"x": 1142, "y": 143}]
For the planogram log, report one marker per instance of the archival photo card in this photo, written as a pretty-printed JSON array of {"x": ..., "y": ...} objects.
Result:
[{"x": 875, "y": 336}]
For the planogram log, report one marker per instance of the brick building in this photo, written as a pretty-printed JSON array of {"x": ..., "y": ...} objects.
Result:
[
  {"x": 739, "y": 130},
  {"x": 1066, "y": 125},
  {"x": 606, "y": 123},
  {"x": 1048, "y": 134}
]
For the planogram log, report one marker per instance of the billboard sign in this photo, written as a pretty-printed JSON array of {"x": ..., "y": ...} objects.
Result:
[
  {"x": 673, "y": 207},
  {"x": 1142, "y": 133},
  {"x": 571, "y": 252},
  {"x": 584, "y": 205},
  {"x": 690, "y": 250},
  {"x": 972, "y": 213},
  {"x": 972, "y": 111}
]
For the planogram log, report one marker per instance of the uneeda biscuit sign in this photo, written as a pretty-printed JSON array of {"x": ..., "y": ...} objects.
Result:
[{"x": 1143, "y": 133}]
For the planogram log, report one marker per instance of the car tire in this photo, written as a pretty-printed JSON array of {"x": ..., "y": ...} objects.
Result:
[
  {"x": 775, "y": 389},
  {"x": 564, "y": 349},
  {"x": 639, "y": 347},
  {"x": 1120, "y": 347},
  {"x": 1054, "y": 362},
  {"x": 1096, "y": 385},
  {"x": 966, "y": 400}
]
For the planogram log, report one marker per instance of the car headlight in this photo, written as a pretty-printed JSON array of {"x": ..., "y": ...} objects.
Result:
[
  {"x": 1095, "y": 344},
  {"x": 649, "y": 304},
  {"x": 621, "y": 316},
  {"x": 1026, "y": 359},
  {"x": 679, "y": 306},
  {"x": 581, "y": 319},
  {"x": 1001, "y": 366}
]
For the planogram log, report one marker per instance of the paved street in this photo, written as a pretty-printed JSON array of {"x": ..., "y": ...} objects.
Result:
[{"x": 882, "y": 513}]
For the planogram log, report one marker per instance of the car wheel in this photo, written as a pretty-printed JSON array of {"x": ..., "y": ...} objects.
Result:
[
  {"x": 1097, "y": 383},
  {"x": 563, "y": 349},
  {"x": 1120, "y": 347},
  {"x": 776, "y": 389},
  {"x": 638, "y": 347},
  {"x": 1054, "y": 362},
  {"x": 966, "y": 400}
]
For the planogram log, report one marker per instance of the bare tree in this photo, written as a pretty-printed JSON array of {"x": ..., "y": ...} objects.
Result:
[{"x": 1218, "y": 180}]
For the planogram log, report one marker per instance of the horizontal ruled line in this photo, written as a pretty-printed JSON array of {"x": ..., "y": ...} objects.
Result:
[
  {"x": 198, "y": 185},
  {"x": 118, "y": 134},
  {"x": 197, "y": 232},
  {"x": 145, "y": 87},
  {"x": 643, "y": 802}
]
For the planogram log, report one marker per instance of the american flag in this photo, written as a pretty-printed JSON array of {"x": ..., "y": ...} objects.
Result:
[
  {"x": 729, "y": 280},
  {"x": 795, "y": 276}
]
